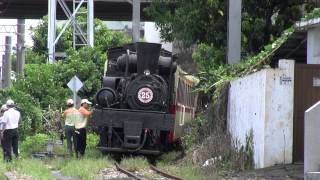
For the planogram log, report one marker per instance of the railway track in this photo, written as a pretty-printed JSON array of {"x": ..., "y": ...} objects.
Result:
[{"x": 153, "y": 168}]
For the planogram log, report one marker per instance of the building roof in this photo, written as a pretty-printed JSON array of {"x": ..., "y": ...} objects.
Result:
[{"x": 295, "y": 47}]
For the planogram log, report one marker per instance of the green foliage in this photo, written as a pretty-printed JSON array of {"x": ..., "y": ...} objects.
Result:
[
  {"x": 191, "y": 21},
  {"x": 205, "y": 21},
  {"x": 33, "y": 57},
  {"x": 85, "y": 168},
  {"x": 40, "y": 36},
  {"x": 186, "y": 170},
  {"x": 40, "y": 81},
  {"x": 92, "y": 141},
  {"x": 105, "y": 38},
  {"x": 315, "y": 13},
  {"x": 87, "y": 64},
  {"x": 33, "y": 168},
  {"x": 44, "y": 86},
  {"x": 135, "y": 163},
  {"x": 215, "y": 75},
  {"x": 194, "y": 132},
  {"x": 32, "y": 144}
]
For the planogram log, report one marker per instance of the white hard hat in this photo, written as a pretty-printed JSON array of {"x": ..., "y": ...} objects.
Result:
[
  {"x": 69, "y": 102},
  {"x": 10, "y": 102},
  {"x": 4, "y": 108},
  {"x": 85, "y": 101}
]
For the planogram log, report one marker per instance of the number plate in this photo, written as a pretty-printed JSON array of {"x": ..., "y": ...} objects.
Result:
[{"x": 145, "y": 95}]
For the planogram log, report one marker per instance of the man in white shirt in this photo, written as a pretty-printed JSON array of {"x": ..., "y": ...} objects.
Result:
[
  {"x": 2, "y": 110},
  {"x": 10, "y": 130}
]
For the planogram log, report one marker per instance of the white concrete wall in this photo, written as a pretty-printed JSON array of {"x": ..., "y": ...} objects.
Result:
[
  {"x": 263, "y": 102},
  {"x": 279, "y": 114},
  {"x": 313, "y": 45},
  {"x": 246, "y": 112},
  {"x": 312, "y": 140}
]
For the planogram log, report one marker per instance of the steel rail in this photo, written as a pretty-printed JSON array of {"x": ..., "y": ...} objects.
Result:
[
  {"x": 164, "y": 174},
  {"x": 130, "y": 174}
]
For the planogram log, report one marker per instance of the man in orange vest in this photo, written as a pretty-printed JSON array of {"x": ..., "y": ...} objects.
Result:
[
  {"x": 71, "y": 115},
  {"x": 80, "y": 125}
]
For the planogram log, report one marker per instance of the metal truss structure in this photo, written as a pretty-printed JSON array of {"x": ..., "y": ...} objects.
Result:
[
  {"x": 8, "y": 29},
  {"x": 83, "y": 32}
]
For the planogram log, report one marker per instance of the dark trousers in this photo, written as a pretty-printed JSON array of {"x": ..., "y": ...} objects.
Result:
[
  {"x": 81, "y": 141},
  {"x": 69, "y": 132},
  {"x": 9, "y": 143}
]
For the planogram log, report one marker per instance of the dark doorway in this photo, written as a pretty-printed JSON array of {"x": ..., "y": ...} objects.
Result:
[{"x": 306, "y": 94}]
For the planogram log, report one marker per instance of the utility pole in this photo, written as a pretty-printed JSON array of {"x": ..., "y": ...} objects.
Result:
[
  {"x": 135, "y": 21},
  {"x": 20, "y": 46},
  {"x": 7, "y": 64},
  {"x": 234, "y": 32},
  {"x": 2, "y": 71}
]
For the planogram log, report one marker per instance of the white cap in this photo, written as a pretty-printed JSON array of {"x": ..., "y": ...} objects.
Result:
[
  {"x": 4, "y": 108},
  {"x": 85, "y": 101},
  {"x": 10, "y": 102},
  {"x": 69, "y": 102}
]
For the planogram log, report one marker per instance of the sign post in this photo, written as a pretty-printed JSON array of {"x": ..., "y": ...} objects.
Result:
[{"x": 75, "y": 85}]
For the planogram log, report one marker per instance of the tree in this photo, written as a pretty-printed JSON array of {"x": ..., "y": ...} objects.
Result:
[
  {"x": 205, "y": 21},
  {"x": 45, "y": 85}
]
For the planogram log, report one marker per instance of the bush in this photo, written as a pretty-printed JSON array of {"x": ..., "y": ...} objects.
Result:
[
  {"x": 32, "y": 144},
  {"x": 92, "y": 141},
  {"x": 40, "y": 82}
]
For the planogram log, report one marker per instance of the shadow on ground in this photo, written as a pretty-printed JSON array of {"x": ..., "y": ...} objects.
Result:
[{"x": 288, "y": 171}]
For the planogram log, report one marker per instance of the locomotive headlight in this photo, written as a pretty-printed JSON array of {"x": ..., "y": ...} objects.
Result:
[{"x": 146, "y": 72}]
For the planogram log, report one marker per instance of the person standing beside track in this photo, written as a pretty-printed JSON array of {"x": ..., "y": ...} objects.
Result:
[
  {"x": 10, "y": 122},
  {"x": 71, "y": 115},
  {"x": 2, "y": 110},
  {"x": 80, "y": 125}
]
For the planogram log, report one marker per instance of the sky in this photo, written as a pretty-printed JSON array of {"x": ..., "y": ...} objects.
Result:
[{"x": 28, "y": 41}]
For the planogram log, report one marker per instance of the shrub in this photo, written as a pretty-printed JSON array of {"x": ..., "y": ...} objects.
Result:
[
  {"x": 32, "y": 144},
  {"x": 92, "y": 141}
]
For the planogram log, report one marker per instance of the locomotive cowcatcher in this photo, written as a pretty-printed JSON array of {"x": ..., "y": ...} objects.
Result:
[{"x": 132, "y": 111}]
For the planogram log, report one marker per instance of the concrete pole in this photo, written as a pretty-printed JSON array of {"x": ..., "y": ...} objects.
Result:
[
  {"x": 234, "y": 32},
  {"x": 7, "y": 63},
  {"x": 20, "y": 46},
  {"x": 2, "y": 71},
  {"x": 52, "y": 4},
  {"x": 90, "y": 29},
  {"x": 135, "y": 20}
]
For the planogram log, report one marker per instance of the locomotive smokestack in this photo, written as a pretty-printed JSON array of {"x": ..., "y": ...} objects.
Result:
[{"x": 148, "y": 57}]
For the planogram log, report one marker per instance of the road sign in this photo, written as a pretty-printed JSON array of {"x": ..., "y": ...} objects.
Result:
[{"x": 75, "y": 84}]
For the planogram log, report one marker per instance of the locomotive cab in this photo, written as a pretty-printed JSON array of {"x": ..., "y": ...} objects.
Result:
[{"x": 132, "y": 108}]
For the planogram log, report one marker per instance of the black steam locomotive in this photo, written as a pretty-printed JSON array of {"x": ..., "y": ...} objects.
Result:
[{"x": 132, "y": 107}]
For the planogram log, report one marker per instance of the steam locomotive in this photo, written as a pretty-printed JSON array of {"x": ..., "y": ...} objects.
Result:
[{"x": 133, "y": 107}]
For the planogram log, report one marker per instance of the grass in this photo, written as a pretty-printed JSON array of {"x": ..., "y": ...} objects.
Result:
[
  {"x": 170, "y": 157},
  {"x": 93, "y": 161},
  {"x": 34, "y": 168},
  {"x": 135, "y": 163},
  {"x": 26, "y": 167},
  {"x": 185, "y": 170},
  {"x": 85, "y": 168}
]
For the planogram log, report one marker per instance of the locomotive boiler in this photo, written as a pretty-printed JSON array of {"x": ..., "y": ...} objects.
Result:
[{"x": 132, "y": 109}]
